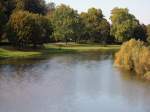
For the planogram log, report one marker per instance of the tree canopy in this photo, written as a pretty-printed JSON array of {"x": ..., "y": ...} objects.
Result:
[
  {"x": 36, "y": 22},
  {"x": 148, "y": 33},
  {"x": 26, "y": 28},
  {"x": 34, "y": 6},
  {"x": 125, "y": 25},
  {"x": 66, "y": 23},
  {"x": 96, "y": 27}
]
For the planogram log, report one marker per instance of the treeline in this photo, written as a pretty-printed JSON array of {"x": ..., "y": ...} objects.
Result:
[{"x": 26, "y": 23}]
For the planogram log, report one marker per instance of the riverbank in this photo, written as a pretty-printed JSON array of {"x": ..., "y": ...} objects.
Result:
[{"x": 9, "y": 52}]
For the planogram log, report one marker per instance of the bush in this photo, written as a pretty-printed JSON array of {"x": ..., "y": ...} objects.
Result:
[
  {"x": 28, "y": 29},
  {"x": 134, "y": 55}
]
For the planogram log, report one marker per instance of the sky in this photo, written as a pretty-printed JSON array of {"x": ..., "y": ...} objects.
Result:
[{"x": 140, "y": 8}]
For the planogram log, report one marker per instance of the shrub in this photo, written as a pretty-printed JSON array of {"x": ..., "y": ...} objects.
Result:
[{"x": 134, "y": 55}]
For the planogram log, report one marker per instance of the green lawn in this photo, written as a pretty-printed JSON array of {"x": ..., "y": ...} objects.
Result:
[
  {"x": 5, "y": 53},
  {"x": 8, "y": 52},
  {"x": 71, "y": 47}
]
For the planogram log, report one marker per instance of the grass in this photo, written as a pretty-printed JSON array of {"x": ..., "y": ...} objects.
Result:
[
  {"x": 5, "y": 53},
  {"x": 8, "y": 52},
  {"x": 71, "y": 47}
]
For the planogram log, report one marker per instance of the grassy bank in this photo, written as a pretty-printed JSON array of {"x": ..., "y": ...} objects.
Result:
[{"x": 8, "y": 52}]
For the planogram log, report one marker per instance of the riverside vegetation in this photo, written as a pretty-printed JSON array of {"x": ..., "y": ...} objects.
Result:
[
  {"x": 8, "y": 52},
  {"x": 32, "y": 27},
  {"x": 135, "y": 56},
  {"x": 32, "y": 23}
]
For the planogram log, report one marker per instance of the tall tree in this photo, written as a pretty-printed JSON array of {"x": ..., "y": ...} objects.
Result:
[
  {"x": 140, "y": 32},
  {"x": 27, "y": 28},
  {"x": 34, "y": 6},
  {"x": 124, "y": 25},
  {"x": 66, "y": 23},
  {"x": 7, "y": 6},
  {"x": 50, "y": 7},
  {"x": 148, "y": 33},
  {"x": 3, "y": 18},
  {"x": 96, "y": 27}
]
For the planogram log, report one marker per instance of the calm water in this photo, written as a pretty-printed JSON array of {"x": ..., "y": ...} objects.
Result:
[{"x": 71, "y": 83}]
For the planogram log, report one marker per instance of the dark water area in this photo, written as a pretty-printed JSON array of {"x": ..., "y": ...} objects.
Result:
[{"x": 71, "y": 83}]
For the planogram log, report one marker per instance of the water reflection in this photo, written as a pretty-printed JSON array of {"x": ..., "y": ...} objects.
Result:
[{"x": 71, "y": 83}]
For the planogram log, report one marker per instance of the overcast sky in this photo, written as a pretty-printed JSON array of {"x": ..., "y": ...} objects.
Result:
[{"x": 140, "y": 8}]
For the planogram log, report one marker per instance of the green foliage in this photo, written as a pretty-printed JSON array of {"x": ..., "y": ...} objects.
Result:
[
  {"x": 125, "y": 26},
  {"x": 7, "y": 6},
  {"x": 9, "y": 53},
  {"x": 96, "y": 27},
  {"x": 26, "y": 28},
  {"x": 148, "y": 33},
  {"x": 2, "y": 22},
  {"x": 34, "y": 6},
  {"x": 66, "y": 23},
  {"x": 118, "y": 15},
  {"x": 50, "y": 7},
  {"x": 3, "y": 18},
  {"x": 140, "y": 33},
  {"x": 28, "y": 25},
  {"x": 134, "y": 55}
]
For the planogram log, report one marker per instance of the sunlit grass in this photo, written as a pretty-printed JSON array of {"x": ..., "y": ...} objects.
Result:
[
  {"x": 56, "y": 48},
  {"x": 81, "y": 47},
  {"x": 4, "y": 53}
]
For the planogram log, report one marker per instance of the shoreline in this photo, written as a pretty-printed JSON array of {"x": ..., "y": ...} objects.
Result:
[{"x": 54, "y": 48}]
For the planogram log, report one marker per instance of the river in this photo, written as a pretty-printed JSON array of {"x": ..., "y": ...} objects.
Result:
[{"x": 86, "y": 82}]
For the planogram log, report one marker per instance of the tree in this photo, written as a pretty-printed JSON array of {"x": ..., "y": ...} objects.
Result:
[
  {"x": 7, "y": 6},
  {"x": 2, "y": 18},
  {"x": 34, "y": 6},
  {"x": 2, "y": 23},
  {"x": 148, "y": 33},
  {"x": 50, "y": 7},
  {"x": 96, "y": 27},
  {"x": 124, "y": 25},
  {"x": 27, "y": 29},
  {"x": 140, "y": 32},
  {"x": 66, "y": 23}
]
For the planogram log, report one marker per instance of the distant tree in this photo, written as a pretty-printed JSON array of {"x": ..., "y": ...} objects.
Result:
[
  {"x": 124, "y": 25},
  {"x": 2, "y": 23},
  {"x": 34, "y": 6},
  {"x": 140, "y": 32},
  {"x": 3, "y": 17},
  {"x": 96, "y": 27},
  {"x": 27, "y": 29},
  {"x": 7, "y": 6},
  {"x": 66, "y": 23},
  {"x": 50, "y": 7},
  {"x": 148, "y": 33}
]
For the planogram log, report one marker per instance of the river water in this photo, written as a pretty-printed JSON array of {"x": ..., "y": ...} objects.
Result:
[{"x": 71, "y": 83}]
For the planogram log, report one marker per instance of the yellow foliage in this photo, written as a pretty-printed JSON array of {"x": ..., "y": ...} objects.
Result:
[{"x": 134, "y": 55}]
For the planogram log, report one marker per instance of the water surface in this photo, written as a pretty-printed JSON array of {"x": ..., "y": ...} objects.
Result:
[{"x": 71, "y": 83}]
